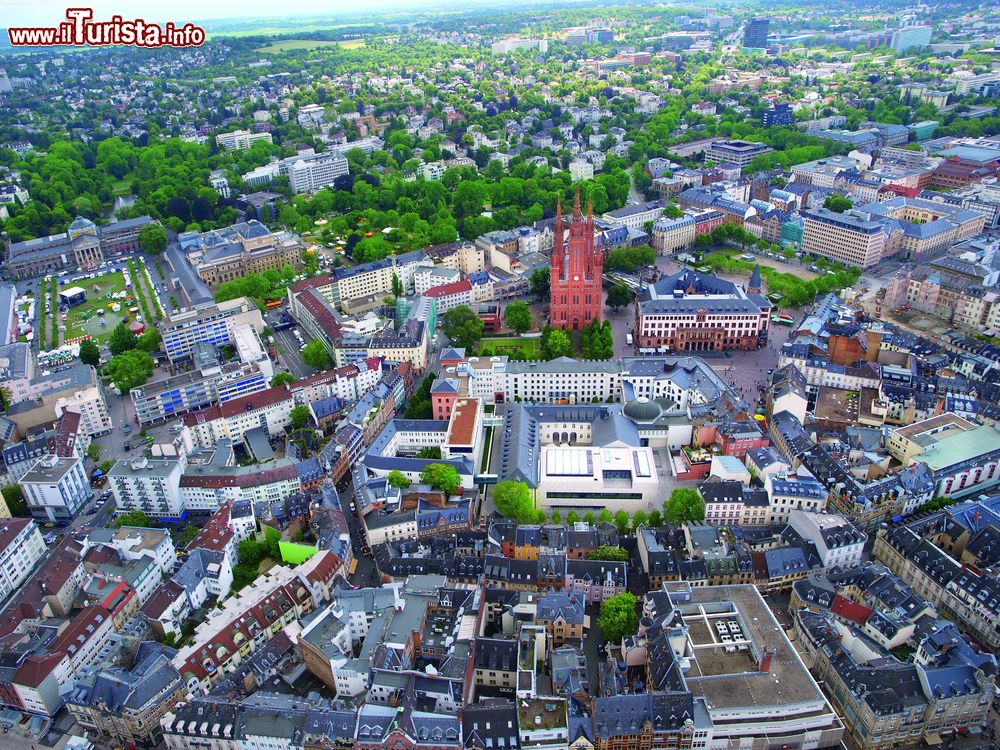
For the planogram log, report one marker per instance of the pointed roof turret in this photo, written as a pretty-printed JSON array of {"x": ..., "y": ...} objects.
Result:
[
  {"x": 754, "y": 286},
  {"x": 576, "y": 204}
]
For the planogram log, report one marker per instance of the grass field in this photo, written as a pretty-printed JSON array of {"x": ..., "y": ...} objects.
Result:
[
  {"x": 293, "y": 44},
  {"x": 509, "y": 346},
  {"x": 83, "y": 319}
]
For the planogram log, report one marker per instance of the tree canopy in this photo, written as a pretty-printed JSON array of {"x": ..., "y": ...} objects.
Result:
[
  {"x": 514, "y": 500},
  {"x": 462, "y": 326},
  {"x": 618, "y": 617},
  {"x": 517, "y": 316},
  {"x": 442, "y": 477},
  {"x": 315, "y": 355},
  {"x": 130, "y": 369},
  {"x": 683, "y": 506}
]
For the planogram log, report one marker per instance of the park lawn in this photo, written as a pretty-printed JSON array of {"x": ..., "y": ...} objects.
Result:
[
  {"x": 287, "y": 45},
  {"x": 120, "y": 187},
  {"x": 508, "y": 345},
  {"x": 77, "y": 317}
]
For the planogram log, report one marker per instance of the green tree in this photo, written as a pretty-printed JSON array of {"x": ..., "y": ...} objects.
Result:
[
  {"x": 838, "y": 203},
  {"x": 130, "y": 369},
  {"x": 14, "y": 498},
  {"x": 149, "y": 341},
  {"x": 557, "y": 344},
  {"x": 299, "y": 416},
  {"x": 572, "y": 517},
  {"x": 556, "y": 516},
  {"x": 121, "y": 340},
  {"x": 133, "y": 518},
  {"x": 282, "y": 378},
  {"x": 619, "y": 296},
  {"x": 94, "y": 452},
  {"x": 250, "y": 553},
  {"x": 589, "y": 517},
  {"x": 622, "y": 522},
  {"x": 153, "y": 239},
  {"x": 655, "y": 519},
  {"x": 540, "y": 281},
  {"x": 442, "y": 477},
  {"x": 89, "y": 353},
  {"x": 514, "y": 500},
  {"x": 315, "y": 355},
  {"x": 397, "y": 286},
  {"x": 397, "y": 479},
  {"x": 618, "y": 617},
  {"x": 607, "y": 552},
  {"x": 462, "y": 326},
  {"x": 605, "y": 516},
  {"x": 683, "y": 506},
  {"x": 517, "y": 316},
  {"x": 640, "y": 517}
]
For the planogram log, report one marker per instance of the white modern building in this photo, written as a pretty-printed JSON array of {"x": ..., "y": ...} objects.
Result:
[
  {"x": 55, "y": 489},
  {"x": 838, "y": 543},
  {"x": 21, "y": 547}
]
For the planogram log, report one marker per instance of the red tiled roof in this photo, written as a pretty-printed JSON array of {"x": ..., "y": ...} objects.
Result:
[
  {"x": 259, "y": 400},
  {"x": 67, "y": 433},
  {"x": 444, "y": 290},
  {"x": 849, "y": 610},
  {"x": 35, "y": 669},
  {"x": 311, "y": 283},
  {"x": 191, "y": 478},
  {"x": 163, "y": 597},
  {"x": 10, "y": 528},
  {"x": 317, "y": 306},
  {"x": 215, "y": 534},
  {"x": 85, "y": 624}
]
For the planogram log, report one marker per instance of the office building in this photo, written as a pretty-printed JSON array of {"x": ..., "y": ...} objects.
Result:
[
  {"x": 779, "y": 114},
  {"x": 910, "y": 37},
  {"x": 853, "y": 238},
  {"x": 166, "y": 399},
  {"x": 755, "y": 33},
  {"x": 735, "y": 152},
  {"x": 212, "y": 323}
]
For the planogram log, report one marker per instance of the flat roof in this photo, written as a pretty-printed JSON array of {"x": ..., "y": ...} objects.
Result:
[
  {"x": 462, "y": 429},
  {"x": 786, "y": 683},
  {"x": 965, "y": 445}
]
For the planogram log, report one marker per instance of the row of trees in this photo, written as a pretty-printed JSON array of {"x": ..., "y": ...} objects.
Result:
[{"x": 516, "y": 501}]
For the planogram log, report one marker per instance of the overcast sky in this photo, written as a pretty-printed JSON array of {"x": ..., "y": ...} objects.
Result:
[{"x": 49, "y": 12}]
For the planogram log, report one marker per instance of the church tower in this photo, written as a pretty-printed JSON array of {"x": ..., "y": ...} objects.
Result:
[{"x": 576, "y": 295}]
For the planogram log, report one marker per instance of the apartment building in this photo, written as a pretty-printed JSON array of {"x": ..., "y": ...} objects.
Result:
[
  {"x": 207, "y": 487},
  {"x": 126, "y": 705},
  {"x": 246, "y": 622},
  {"x": 240, "y": 140},
  {"x": 150, "y": 485},
  {"x": 838, "y": 543},
  {"x": 409, "y": 345},
  {"x": 309, "y": 174},
  {"x": 451, "y": 295},
  {"x": 212, "y": 323},
  {"x": 853, "y": 238},
  {"x": 267, "y": 410},
  {"x": 55, "y": 489},
  {"x": 90, "y": 403},
  {"x": 21, "y": 547}
]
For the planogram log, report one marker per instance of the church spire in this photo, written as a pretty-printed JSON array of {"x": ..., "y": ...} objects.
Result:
[{"x": 576, "y": 204}]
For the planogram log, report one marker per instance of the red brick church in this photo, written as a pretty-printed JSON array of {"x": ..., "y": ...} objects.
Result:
[{"x": 576, "y": 296}]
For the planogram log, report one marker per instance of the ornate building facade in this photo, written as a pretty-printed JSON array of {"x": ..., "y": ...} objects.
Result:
[{"x": 576, "y": 296}]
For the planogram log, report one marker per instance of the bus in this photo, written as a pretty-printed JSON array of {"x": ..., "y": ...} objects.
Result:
[
  {"x": 273, "y": 303},
  {"x": 782, "y": 319}
]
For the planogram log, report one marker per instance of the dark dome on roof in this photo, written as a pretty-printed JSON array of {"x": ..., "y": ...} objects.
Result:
[{"x": 642, "y": 410}]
